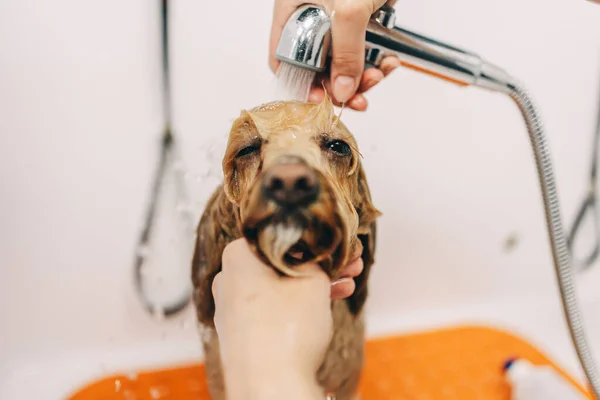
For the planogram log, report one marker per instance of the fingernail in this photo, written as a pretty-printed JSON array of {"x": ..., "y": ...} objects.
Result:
[
  {"x": 341, "y": 280},
  {"x": 343, "y": 88},
  {"x": 313, "y": 98},
  {"x": 342, "y": 288}
]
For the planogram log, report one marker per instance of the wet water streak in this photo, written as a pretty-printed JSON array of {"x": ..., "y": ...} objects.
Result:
[{"x": 293, "y": 83}]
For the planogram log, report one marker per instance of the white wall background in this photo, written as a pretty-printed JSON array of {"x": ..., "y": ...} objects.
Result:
[{"x": 450, "y": 169}]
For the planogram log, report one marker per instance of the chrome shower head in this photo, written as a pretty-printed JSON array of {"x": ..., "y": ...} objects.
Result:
[
  {"x": 306, "y": 39},
  {"x": 306, "y": 42}
]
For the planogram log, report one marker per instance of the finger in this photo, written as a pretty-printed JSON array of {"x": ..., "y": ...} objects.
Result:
[
  {"x": 281, "y": 13},
  {"x": 319, "y": 91},
  {"x": 240, "y": 260},
  {"x": 216, "y": 285},
  {"x": 370, "y": 78},
  {"x": 358, "y": 103},
  {"x": 313, "y": 281},
  {"x": 310, "y": 269},
  {"x": 342, "y": 288},
  {"x": 348, "y": 26},
  {"x": 316, "y": 94},
  {"x": 389, "y": 64},
  {"x": 233, "y": 252},
  {"x": 353, "y": 269},
  {"x": 358, "y": 250},
  {"x": 321, "y": 87}
]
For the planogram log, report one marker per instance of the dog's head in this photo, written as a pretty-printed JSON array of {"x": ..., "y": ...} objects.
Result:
[{"x": 294, "y": 170}]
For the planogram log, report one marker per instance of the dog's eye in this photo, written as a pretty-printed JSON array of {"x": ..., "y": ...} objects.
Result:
[
  {"x": 247, "y": 150},
  {"x": 339, "y": 146}
]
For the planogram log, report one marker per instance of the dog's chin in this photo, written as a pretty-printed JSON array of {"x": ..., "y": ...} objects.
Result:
[{"x": 293, "y": 240}]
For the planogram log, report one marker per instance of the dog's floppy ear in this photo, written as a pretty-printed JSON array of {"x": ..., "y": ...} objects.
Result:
[
  {"x": 243, "y": 126},
  {"x": 367, "y": 234}
]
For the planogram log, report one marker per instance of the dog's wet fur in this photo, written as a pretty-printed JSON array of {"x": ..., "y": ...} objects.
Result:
[{"x": 325, "y": 231}]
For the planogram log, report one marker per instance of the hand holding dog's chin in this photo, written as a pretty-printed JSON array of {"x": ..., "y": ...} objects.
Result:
[{"x": 273, "y": 331}]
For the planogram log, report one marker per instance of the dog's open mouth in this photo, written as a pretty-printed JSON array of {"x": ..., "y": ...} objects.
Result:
[
  {"x": 298, "y": 254},
  {"x": 286, "y": 241}
]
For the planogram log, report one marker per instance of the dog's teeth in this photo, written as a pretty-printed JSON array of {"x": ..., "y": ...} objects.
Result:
[{"x": 276, "y": 241}]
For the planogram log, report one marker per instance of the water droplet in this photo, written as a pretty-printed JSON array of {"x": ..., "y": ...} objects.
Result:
[
  {"x": 132, "y": 375},
  {"x": 206, "y": 334},
  {"x": 158, "y": 392},
  {"x": 185, "y": 324},
  {"x": 129, "y": 395},
  {"x": 158, "y": 313},
  {"x": 117, "y": 385}
]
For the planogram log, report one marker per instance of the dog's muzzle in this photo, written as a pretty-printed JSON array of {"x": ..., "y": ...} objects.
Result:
[{"x": 293, "y": 217}]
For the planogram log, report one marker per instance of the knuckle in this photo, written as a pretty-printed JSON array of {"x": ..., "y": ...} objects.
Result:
[
  {"x": 347, "y": 62},
  {"x": 346, "y": 56},
  {"x": 230, "y": 250}
]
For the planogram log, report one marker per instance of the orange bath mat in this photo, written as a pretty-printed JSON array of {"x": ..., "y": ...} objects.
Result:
[{"x": 462, "y": 363}]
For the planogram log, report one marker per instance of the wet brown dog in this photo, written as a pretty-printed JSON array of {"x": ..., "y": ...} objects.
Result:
[{"x": 294, "y": 187}]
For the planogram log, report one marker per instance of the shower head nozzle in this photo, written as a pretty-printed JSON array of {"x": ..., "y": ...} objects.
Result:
[{"x": 306, "y": 39}]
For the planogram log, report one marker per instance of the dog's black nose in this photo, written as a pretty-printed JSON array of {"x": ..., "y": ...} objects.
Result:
[{"x": 291, "y": 184}]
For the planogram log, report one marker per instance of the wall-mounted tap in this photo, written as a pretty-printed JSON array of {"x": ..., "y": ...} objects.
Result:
[{"x": 306, "y": 42}]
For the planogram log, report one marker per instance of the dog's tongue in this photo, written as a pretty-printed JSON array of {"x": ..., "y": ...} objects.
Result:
[{"x": 298, "y": 251}]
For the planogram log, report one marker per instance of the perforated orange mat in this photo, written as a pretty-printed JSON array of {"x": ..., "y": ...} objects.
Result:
[{"x": 460, "y": 363}]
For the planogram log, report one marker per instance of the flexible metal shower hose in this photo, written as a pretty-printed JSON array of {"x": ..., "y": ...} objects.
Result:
[{"x": 558, "y": 243}]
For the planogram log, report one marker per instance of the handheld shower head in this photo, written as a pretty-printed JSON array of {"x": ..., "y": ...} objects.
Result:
[
  {"x": 306, "y": 39},
  {"x": 306, "y": 42}
]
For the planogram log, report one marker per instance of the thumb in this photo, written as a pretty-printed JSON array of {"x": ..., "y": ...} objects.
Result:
[{"x": 348, "y": 26}]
